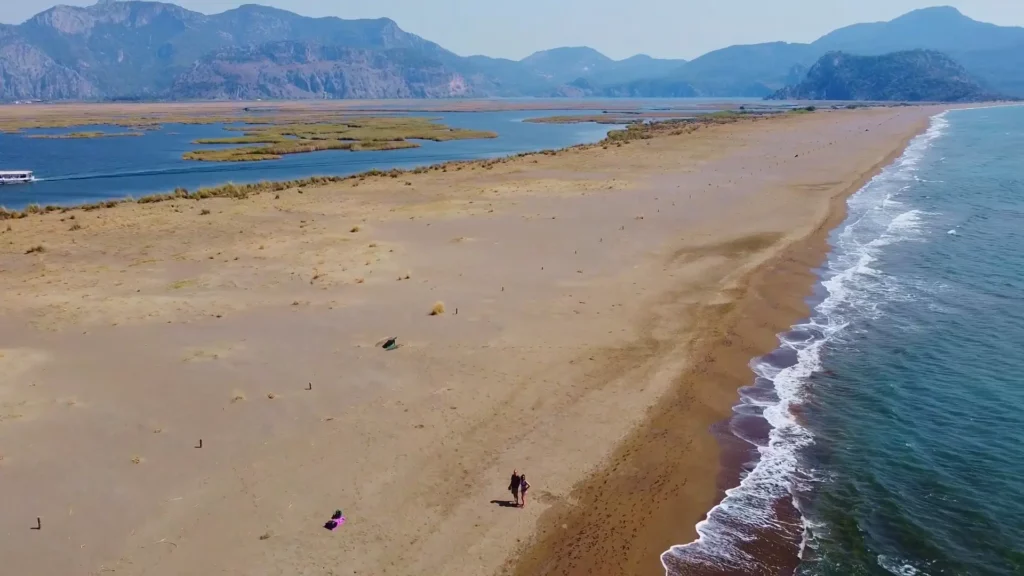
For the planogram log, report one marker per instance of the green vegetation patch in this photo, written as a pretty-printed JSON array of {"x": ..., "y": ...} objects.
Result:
[
  {"x": 359, "y": 134},
  {"x": 78, "y": 135}
]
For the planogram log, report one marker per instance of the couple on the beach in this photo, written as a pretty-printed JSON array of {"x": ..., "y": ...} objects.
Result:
[{"x": 518, "y": 487}]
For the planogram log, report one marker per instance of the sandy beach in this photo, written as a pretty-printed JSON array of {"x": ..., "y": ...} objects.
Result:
[{"x": 600, "y": 309}]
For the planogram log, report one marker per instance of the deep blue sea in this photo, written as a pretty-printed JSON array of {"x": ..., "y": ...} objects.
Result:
[
  {"x": 896, "y": 411},
  {"x": 76, "y": 171}
]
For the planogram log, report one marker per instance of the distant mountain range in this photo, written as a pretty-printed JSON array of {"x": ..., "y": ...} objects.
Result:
[
  {"x": 994, "y": 54},
  {"x": 907, "y": 76},
  {"x": 155, "y": 50}
]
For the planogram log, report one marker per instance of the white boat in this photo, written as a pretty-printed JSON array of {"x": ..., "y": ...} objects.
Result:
[{"x": 16, "y": 177}]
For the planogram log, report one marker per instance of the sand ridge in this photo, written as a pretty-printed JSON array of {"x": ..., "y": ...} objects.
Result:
[{"x": 577, "y": 289}]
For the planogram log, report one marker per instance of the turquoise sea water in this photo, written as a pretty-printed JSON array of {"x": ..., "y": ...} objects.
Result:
[{"x": 891, "y": 436}]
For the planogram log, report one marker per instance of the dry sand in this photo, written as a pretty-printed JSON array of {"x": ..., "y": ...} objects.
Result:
[{"x": 601, "y": 306}]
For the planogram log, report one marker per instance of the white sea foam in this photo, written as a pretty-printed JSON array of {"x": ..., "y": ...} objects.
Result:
[
  {"x": 877, "y": 218},
  {"x": 898, "y": 567}
]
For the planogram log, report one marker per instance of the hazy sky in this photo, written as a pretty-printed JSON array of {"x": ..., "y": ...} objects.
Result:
[{"x": 619, "y": 28}]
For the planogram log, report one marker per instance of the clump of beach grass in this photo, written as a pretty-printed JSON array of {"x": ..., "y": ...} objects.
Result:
[
  {"x": 271, "y": 141},
  {"x": 237, "y": 396},
  {"x": 36, "y": 249},
  {"x": 81, "y": 135},
  {"x": 437, "y": 309},
  {"x": 355, "y": 229}
]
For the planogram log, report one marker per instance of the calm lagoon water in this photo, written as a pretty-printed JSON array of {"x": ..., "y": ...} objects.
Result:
[
  {"x": 886, "y": 434},
  {"x": 85, "y": 170}
]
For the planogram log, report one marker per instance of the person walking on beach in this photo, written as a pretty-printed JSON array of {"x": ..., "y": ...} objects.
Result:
[
  {"x": 523, "y": 487},
  {"x": 513, "y": 486}
]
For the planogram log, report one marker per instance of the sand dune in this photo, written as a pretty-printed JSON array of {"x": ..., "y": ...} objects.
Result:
[{"x": 600, "y": 306}]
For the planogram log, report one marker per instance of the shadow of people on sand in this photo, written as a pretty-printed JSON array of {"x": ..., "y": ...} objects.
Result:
[{"x": 505, "y": 503}]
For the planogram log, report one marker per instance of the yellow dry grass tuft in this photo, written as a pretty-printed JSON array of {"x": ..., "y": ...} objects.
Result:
[
  {"x": 437, "y": 309},
  {"x": 269, "y": 139}
]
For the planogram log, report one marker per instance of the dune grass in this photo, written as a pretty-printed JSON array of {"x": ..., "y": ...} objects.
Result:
[
  {"x": 83, "y": 135},
  {"x": 140, "y": 122},
  {"x": 356, "y": 135},
  {"x": 437, "y": 309},
  {"x": 259, "y": 153},
  {"x": 229, "y": 190}
]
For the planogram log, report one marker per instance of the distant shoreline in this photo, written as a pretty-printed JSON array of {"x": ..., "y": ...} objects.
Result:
[{"x": 74, "y": 114}]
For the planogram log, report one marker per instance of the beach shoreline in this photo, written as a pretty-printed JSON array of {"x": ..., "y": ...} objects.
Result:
[
  {"x": 774, "y": 296},
  {"x": 778, "y": 549},
  {"x": 593, "y": 367}
]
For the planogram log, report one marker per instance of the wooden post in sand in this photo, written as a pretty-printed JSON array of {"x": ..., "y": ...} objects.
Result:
[
  {"x": 39, "y": 524},
  {"x": 200, "y": 443},
  {"x": 310, "y": 387}
]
